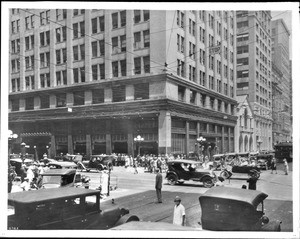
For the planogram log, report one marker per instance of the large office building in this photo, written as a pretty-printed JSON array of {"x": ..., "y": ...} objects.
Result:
[
  {"x": 282, "y": 113},
  {"x": 91, "y": 81},
  {"x": 254, "y": 72}
]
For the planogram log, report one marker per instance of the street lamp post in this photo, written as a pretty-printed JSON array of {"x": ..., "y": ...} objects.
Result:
[
  {"x": 23, "y": 151},
  {"x": 11, "y": 138},
  {"x": 138, "y": 139},
  {"x": 259, "y": 143},
  {"x": 201, "y": 141}
]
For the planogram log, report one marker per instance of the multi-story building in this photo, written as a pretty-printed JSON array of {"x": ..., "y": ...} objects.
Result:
[
  {"x": 90, "y": 81},
  {"x": 281, "y": 60},
  {"x": 254, "y": 71}
]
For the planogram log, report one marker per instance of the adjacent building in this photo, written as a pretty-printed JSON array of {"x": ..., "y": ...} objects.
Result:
[
  {"x": 254, "y": 72},
  {"x": 90, "y": 81},
  {"x": 282, "y": 110}
]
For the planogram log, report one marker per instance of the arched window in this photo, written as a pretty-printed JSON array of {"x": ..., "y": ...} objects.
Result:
[{"x": 245, "y": 118}]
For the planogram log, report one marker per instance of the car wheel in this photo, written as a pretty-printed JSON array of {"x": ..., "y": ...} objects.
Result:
[
  {"x": 172, "y": 179},
  {"x": 224, "y": 174},
  {"x": 99, "y": 167},
  {"x": 180, "y": 182},
  {"x": 208, "y": 182}
]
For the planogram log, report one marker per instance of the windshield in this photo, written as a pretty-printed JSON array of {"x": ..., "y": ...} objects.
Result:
[{"x": 51, "y": 179}]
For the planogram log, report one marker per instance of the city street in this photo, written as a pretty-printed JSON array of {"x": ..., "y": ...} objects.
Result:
[{"x": 137, "y": 193}]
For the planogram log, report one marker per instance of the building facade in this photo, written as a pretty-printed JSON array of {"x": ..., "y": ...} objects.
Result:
[
  {"x": 90, "y": 81},
  {"x": 245, "y": 126},
  {"x": 254, "y": 71},
  {"x": 281, "y": 61}
]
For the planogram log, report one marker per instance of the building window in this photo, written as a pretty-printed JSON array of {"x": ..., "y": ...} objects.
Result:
[
  {"x": 42, "y": 18},
  {"x": 61, "y": 77},
  {"x": 79, "y": 51},
  {"x": 45, "y": 101},
  {"x": 146, "y": 35},
  {"x": 115, "y": 45},
  {"x": 45, "y": 59},
  {"x": 118, "y": 93},
  {"x": 95, "y": 51},
  {"x": 29, "y": 62},
  {"x": 115, "y": 20},
  {"x": 115, "y": 68},
  {"x": 137, "y": 65},
  {"x": 29, "y": 42},
  {"x": 146, "y": 60},
  {"x": 61, "y": 34},
  {"x": 61, "y": 14},
  {"x": 15, "y": 65},
  {"x": 61, "y": 100},
  {"x": 123, "y": 67},
  {"x": 242, "y": 74},
  {"x": 15, "y": 46},
  {"x": 181, "y": 93},
  {"x": 101, "y": 23},
  {"x": 242, "y": 49},
  {"x": 29, "y": 103},
  {"x": 193, "y": 96},
  {"x": 123, "y": 43},
  {"x": 137, "y": 16},
  {"x": 141, "y": 91},
  {"x": 98, "y": 71},
  {"x": 78, "y": 97},
  {"x": 45, "y": 38},
  {"x": 146, "y": 15},
  {"x": 45, "y": 80},
  {"x": 15, "y": 84},
  {"x": 123, "y": 18},
  {"x": 78, "y": 29},
  {"x": 79, "y": 75},
  {"x": 97, "y": 96},
  {"x": 137, "y": 40}
]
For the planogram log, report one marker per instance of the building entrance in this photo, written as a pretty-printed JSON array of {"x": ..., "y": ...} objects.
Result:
[{"x": 120, "y": 147}]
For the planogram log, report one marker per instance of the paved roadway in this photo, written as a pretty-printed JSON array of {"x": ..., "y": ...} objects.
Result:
[{"x": 137, "y": 193}]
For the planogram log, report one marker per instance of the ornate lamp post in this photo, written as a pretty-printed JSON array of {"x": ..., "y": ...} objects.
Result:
[
  {"x": 201, "y": 141},
  {"x": 259, "y": 142},
  {"x": 23, "y": 151},
  {"x": 138, "y": 139},
  {"x": 11, "y": 138}
]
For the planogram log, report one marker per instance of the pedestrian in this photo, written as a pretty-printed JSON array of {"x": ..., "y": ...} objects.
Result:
[
  {"x": 135, "y": 163},
  {"x": 273, "y": 165},
  {"x": 179, "y": 212},
  {"x": 104, "y": 183},
  {"x": 286, "y": 166},
  {"x": 252, "y": 182},
  {"x": 158, "y": 185},
  {"x": 244, "y": 187}
]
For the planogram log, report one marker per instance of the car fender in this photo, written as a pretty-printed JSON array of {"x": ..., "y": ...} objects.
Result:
[
  {"x": 171, "y": 173},
  {"x": 206, "y": 176},
  {"x": 274, "y": 226},
  {"x": 127, "y": 218}
]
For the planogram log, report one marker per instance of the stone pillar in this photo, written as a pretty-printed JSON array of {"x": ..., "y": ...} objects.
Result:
[
  {"x": 207, "y": 102},
  {"x": 70, "y": 139},
  {"x": 53, "y": 147},
  {"x": 164, "y": 132},
  {"x": 88, "y": 97},
  {"x": 223, "y": 141},
  {"x": 187, "y": 137},
  {"x": 88, "y": 139},
  {"x": 108, "y": 137},
  {"x": 130, "y": 144}
]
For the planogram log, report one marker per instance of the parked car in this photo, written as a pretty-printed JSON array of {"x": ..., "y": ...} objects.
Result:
[
  {"x": 265, "y": 160},
  {"x": 99, "y": 162},
  {"x": 54, "y": 178},
  {"x": 63, "y": 208},
  {"x": 17, "y": 162},
  {"x": 262, "y": 164},
  {"x": 249, "y": 170},
  {"x": 235, "y": 209},
  {"x": 69, "y": 158},
  {"x": 58, "y": 165},
  {"x": 184, "y": 170}
]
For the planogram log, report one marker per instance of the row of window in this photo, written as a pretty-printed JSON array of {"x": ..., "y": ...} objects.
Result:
[
  {"x": 119, "y": 68},
  {"x": 214, "y": 104},
  {"x": 141, "y": 91}
]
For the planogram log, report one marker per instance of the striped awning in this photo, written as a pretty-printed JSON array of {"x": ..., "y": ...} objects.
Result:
[{"x": 35, "y": 134}]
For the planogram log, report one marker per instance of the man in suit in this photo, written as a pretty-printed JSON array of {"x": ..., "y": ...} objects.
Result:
[{"x": 158, "y": 185}]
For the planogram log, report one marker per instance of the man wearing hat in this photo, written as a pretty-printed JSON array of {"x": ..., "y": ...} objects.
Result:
[
  {"x": 158, "y": 185},
  {"x": 179, "y": 212}
]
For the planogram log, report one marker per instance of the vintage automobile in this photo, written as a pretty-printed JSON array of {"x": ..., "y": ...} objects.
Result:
[
  {"x": 99, "y": 162},
  {"x": 264, "y": 160},
  {"x": 184, "y": 170},
  {"x": 63, "y": 208},
  {"x": 252, "y": 171},
  {"x": 69, "y": 158},
  {"x": 16, "y": 161},
  {"x": 59, "y": 165},
  {"x": 54, "y": 178},
  {"x": 235, "y": 209}
]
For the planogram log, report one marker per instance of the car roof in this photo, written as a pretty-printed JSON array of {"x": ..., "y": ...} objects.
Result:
[
  {"x": 59, "y": 171},
  {"x": 183, "y": 161},
  {"x": 43, "y": 195},
  {"x": 252, "y": 197},
  {"x": 64, "y": 163}
]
